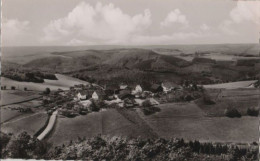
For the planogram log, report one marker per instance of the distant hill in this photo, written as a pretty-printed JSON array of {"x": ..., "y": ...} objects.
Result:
[{"x": 142, "y": 59}]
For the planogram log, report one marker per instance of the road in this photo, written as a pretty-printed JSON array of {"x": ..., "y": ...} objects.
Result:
[{"x": 49, "y": 126}]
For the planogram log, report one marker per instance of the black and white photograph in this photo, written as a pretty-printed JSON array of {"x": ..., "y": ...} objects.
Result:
[{"x": 130, "y": 80}]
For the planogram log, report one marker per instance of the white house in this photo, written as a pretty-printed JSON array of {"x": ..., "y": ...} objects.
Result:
[
  {"x": 123, "y": 86},
  {"x": 95, "y": 96},
  {"x": 138, "y": 89},
  {"x": 81, "y": 95}
]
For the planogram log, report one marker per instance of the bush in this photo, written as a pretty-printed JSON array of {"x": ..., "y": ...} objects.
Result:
[
  {"x": 252, "y": 112},
  {"x": 47, "y": 91},
  {"x": 150, "y": 110},
  {"x": 147, "y": 103},
  {"x": 232, "y": 112}
]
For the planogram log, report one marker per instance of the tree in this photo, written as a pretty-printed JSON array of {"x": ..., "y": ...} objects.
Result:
[{"x": 47, "y": 91}]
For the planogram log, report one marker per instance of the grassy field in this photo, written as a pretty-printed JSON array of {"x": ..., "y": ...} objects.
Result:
[
  {"x": 231, "y": 85},
  {"x": 13, "y": 96},
  {"x": 187, "y": 120},
  {"x": 63, "y": 82},
  {"x": 29, "y": 123},
  {"x": 109, "y": 122},
  {"x": 241, "y": 99}
]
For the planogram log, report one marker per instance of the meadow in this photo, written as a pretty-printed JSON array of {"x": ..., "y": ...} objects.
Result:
[
  {"x": 29, "y": 123},
  {"x": 188, "y": 121},
  {"x": 108, "y": 122},
  {"x": 232, "y": 85}
]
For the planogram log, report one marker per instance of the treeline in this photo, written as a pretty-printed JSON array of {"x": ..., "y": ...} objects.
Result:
[
  {"x": 27, "y": 76},
  {"x": 119, "y": 148}
]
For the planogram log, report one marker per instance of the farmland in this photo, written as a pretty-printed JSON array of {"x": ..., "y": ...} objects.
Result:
[
  {"x": 187, "y": 120},
  {"x": 231, "y": 85},
  {"x": 29, "y": 123},
  {"x": 108, "y": 122},
  {"x": 240, "y": 99}
]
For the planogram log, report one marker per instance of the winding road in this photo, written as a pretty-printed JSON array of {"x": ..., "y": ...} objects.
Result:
[{"x": 49, "y": 127}]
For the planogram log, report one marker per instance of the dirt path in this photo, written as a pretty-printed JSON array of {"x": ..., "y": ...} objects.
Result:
[{"x": 49, "y": 127}]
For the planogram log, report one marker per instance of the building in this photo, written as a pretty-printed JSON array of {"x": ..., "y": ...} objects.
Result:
[
  {"x": 82, "y": 95},
  {"x": 168, "y": 86},
  {"x": 99, "y": 94},
  {"x": 138, "y": 90}
]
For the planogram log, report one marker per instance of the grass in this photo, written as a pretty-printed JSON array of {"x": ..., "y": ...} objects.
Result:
[
  {"x": 30, "y": 123},
  {"x": 13, "y": 96},
  {"x": 231, "y": 85},
  {"x": 109, "y": 122},
  {"x": 240, "y": 99},
  {"x": 187, "y": 120}
]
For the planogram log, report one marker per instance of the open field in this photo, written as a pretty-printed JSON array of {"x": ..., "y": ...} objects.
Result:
[
  {"x": 29, "y": 123},
  {"x": 14, "y": 96},
  {"x": 187, "y": 120},
  {"x": 63, "y": 82},
  {"x": 240, "y": 99},
  {"x": 232, "y": 85},
  {"x": 108, "y": 122}
]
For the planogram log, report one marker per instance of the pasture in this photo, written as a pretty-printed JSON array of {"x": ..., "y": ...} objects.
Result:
[
  {"x": 188, "y": 121},
  {"x": 240, "y": 99},
  {"x": 30, "y": 123},
  {"x": 231, "y": 85},
  {"x": 16, "y": 96},
  {"x": 108, "y": 122}
]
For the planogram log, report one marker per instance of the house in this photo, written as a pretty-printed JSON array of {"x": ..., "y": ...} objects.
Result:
[
  {"x": 155, "y": 88},
  {"x": 168, "y": 86},
  {"x": 123, "y": 86},
  {"x": 82, "y": 95},
  {"x": 99, "y": 94},
  {"x": 138, "y": 90}
]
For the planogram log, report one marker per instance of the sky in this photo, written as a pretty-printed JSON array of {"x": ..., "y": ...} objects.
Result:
[{"x": 129, "y": 22}]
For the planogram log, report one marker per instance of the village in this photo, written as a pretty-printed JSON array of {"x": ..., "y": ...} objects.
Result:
[{"x": 82, "y": 99}]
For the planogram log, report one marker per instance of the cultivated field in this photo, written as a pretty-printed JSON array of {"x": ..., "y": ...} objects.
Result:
[
  {"x": 14, "y": 96},
  {"x": 232, "y": 85},
  {"x": 29, "y": 123},
  {"x": 108, "y": 122},
  {"x": 240, "y": 99},
  {"x": 187, "y": 120}
]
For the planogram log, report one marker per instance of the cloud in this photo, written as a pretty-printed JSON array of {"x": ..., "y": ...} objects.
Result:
[
  {"x": 246, "y": 11},
  {"x": 241, "y": 14},
  {"x": 105, "y": 24},
  {"x": 174, "y": 17},
  {"x": 204, "y": 27},
  {"x": 13, "y": 31}
]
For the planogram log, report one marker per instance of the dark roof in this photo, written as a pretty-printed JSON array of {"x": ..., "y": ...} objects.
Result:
[{"x": 125, "y": 95}]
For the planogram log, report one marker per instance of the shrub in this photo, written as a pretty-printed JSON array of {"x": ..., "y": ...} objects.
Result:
[
  {"x": 13, "y": 88},
  {"x": 47, "y": 91},
  {"x": 232, "y": 112},
  {"x": 150, "y": 110},
  {"x": 252, "y": 112},
  {"x": 147, "y": 103}
]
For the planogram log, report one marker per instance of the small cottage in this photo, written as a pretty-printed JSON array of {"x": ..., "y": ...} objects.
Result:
[{"x": 138, "y": 90}]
